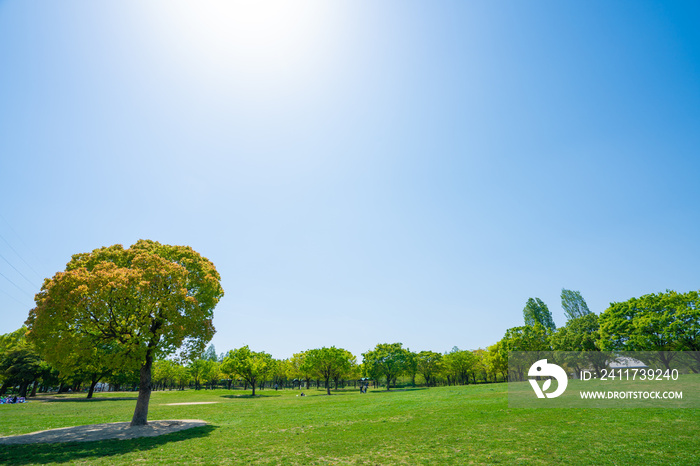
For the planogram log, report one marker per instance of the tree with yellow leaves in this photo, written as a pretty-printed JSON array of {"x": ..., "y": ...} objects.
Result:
[{"x": 137, "y": 304}]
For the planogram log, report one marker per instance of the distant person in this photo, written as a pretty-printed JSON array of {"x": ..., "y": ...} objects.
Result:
[
  {"x": 302, "y": 394},
  {"x": 276, "y": 387}
]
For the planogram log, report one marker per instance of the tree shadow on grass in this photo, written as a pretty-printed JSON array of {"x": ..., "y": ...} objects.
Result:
[
  {"x": 42, "y": 453},
  {"x": 393, "y": 390},
  {"x": 83, "y": 400},
  {"x": 265, "y": 395},
  {"x": 340, "y": 392}
]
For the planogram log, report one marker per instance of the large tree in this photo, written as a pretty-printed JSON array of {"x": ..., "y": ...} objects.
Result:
[
  {"x": 579, "y": 334},
  {"x": 497, "y": 360},
  {"x": 387, "y": 359},
  {"x": 458, "y": 364},
  {"x": 146, "y": 301},
  {"x": 537, "y": 312},
  {"x": 21, "y": 366},
  {"x": 200, "y": 371},
  {"x": 661, "y": 323},
  {"x": 329, "y": 363},
  {"x": 251, "y": 366},
  {"x": 573, "y": 304},
  {"x": 429, "y": 365},
  {"x": 528, "y": 338},
  {"x": 297, "y": 369}
]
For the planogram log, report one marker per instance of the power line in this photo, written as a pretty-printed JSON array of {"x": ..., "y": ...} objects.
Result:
[
  {"x": 23, "y": 276},
  {"x": 20, "y": 289},
  {"x": 19, "y": 237},
  {"x": 13, "y": 298},
  {"x": 18, "y": 254}
]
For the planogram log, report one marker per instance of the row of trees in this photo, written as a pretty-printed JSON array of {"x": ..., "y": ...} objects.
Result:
[
  {"x": 331, "y": 368},
  {"x": 656, "y": 322},
  {"x": 661, "y": 322},
  {"x": 117, "y": 310}
]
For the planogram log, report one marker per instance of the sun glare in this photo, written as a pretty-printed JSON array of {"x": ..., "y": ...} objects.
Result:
[{"x": 257, "y": 38}]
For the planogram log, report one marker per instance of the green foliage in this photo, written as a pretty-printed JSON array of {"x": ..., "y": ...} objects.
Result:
[
  {"x": 458, "y": 364},
  {"x": 579, "y": 334},
  {"x": 328, "y": 363},
  {"x": 210, "y": 354},
  {"x": 202, "y": 371},
  {"x": 297, "y": 369},
  {"x": 526, "y": 338},
  {"x": 13, "y": 340},
  {"x": 429, "y": 365},
  {"x": 164, "y": 372},
  {"x": 251, "y": 366},
  {"x": 411, "y": 366},
  {"x": 132, "y": 305},
  {"x": 497, "y": 360},
  {"x": 655, "y": 322},
  {"x": 387, "y": 359},
  {"x": 537, "y": 312},
  {"x": 573, "y": 304},
  {"x": 279, "y": 371},
  {"x": 20, "y": 366}
]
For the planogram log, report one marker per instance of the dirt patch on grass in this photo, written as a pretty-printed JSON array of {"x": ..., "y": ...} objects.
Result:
[{"x": 113, "y": 430}]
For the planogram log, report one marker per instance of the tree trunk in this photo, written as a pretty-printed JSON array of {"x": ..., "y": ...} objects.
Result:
[
  {"x": 141, "y": 412},
  {"x": 328, "y": 386},
  {"x": 36, "y": 384},
  {"x": 23, "y": 389},
  {"x": 91, "y": 390},
  {"x": 253, "y": 385}
]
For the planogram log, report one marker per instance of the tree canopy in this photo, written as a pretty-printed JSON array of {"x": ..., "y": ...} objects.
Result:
[
  {"x": 573, "y": 304},
  {"x": 329, "y": 363},
  {"x": 429, "y": 365},
  {"x": 251, "y": 366},
  {"x": 387, "y": 359},
  {"x": 660, "y": 322},
  {"x": 537, "y": 312},
  {"x": 136, "y": 304}
]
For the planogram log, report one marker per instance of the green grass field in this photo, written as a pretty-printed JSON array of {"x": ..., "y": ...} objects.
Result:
[{"x": 444, "y": 425}]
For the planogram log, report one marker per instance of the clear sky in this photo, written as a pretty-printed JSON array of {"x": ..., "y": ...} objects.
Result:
[{"x": 359, "y": 172}]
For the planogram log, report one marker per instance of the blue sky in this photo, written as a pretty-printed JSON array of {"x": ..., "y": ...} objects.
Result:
[{"x": 359, "y": 172}]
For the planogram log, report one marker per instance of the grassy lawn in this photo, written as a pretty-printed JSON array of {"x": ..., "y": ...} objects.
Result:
[{"x": 445, "y": 425}]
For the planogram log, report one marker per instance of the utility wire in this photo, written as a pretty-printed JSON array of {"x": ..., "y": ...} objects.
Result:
[
  {"x": 13, "y": 298},
  {"x": 23, "y": 276},
  {"x": 20, "y": 257},
  {"x": 15, "y": 284}
]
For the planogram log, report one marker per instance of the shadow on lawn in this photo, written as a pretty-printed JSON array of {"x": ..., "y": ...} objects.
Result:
[
  {"x": 412, "y": 389},
  {"x": 43, "y": 453},
  {"x": 84, "y": 400},
  {"x": 264, "y": 395}
]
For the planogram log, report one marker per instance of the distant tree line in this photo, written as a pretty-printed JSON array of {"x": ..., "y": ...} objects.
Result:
[{"x": 668, "y": 321}]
